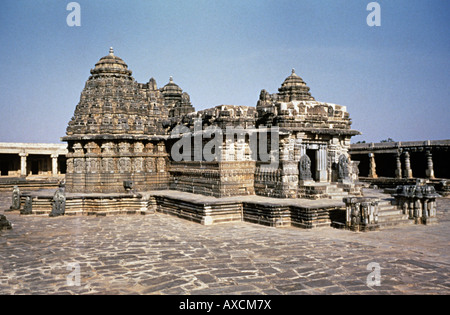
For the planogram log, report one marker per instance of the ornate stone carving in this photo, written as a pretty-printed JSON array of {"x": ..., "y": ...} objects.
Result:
[
  {"x": 78, "y": 148},
  {"x": 28, "y": 205},
  {"x": 108, "y": 165},
  {"x": 138, "y": 147},
  {"x": 362, "y": 213},
  {"x": 138, "y": 165},
  {"x": 150, "y": 165},
  {"x": 108, "y": 148},
  {"x": 69, "y": 163},
  {"x": 15, "y": 198},
  {"x": 305, "y": 168},
  {"x": 58, "y": 203},
  {"x": 92, "y": 165},
  {"x": 161, "y": 164},
  {"x": 343, "y": 168},
  {"x": 123, "y": 126},
  {"x": 418, "y": 202},
  {"x": 79, "y": 165},
  {"x": 92, "y": 148},
  {"x": 124, "y": 165},
  {"x": 124, "y": 147},
  {"x": 149, "y": 147}
]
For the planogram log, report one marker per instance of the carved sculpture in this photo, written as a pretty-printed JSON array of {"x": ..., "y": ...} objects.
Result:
[
  {"x": 343, "y": 168},
  {"x": 305, "y": 168},
  {"x": 58, "y": 203},
  {"x": 361, "y": 213},
  {"x": 15, "y": 198},
  {"x": 28, "y": 206}
]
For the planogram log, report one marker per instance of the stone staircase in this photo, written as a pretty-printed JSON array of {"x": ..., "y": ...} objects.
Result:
[
  {"x": 336, "y": 193},
  {"x": 322, "y": 191},
  {"x": 389, "y": 215}
]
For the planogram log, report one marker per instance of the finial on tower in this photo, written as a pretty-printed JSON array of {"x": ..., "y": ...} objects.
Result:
[
  {"x": 171, "y": 79},
  {"x": 293, "y": 71},
  {"x": 111, "y": 51}
]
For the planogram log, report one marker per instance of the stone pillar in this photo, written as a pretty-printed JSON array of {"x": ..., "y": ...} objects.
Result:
[
  {"x": 23, "y": 164},
  {"x": 430, "y": 171},
  {"x": 398, "y": 169},
  {"x": 54, "y": 164},
  {"x": 372, "y": 166},
  {"x": 321, "y": 164},
  {"x": 408, "y": 170}
]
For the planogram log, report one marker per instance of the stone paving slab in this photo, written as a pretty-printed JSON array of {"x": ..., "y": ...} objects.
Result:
[{"x": 162, "y": 254}]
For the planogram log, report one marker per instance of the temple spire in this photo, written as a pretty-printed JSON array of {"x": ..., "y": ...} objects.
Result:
[{"x": 111, "y": 51}]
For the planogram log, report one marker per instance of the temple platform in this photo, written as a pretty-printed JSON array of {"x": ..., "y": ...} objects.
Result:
[{"x": 206, "y": 210}]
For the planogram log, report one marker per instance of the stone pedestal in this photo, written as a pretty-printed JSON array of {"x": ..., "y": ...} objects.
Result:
[
  {"x": 418, "y": 202},
  {"x": 362, "y": 213}
]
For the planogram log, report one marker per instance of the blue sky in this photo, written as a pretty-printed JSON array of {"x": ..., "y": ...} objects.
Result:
[{"x": 394, "y": 79}]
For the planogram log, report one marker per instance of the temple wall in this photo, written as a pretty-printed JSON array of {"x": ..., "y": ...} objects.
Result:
[
  {"x": 218, "y": 179},
  {"x": 104, "y": 166}
]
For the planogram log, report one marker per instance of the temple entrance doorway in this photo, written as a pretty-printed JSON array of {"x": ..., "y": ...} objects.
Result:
[{"x": 312, "y": 156}]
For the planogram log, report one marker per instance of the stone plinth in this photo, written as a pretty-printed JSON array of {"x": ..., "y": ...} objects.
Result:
[{"x": 48, "y": 202}]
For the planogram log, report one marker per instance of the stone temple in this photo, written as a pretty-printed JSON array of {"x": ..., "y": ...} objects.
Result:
[
  {"x": 136, "y": 148},
  {"x": 123, "y": 131}
]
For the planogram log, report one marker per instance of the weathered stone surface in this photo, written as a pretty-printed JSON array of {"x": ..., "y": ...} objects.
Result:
[{"x": 160, "y": 254}]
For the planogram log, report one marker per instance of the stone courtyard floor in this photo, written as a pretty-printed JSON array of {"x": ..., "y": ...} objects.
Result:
[{"x": 162, "y": 254}]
